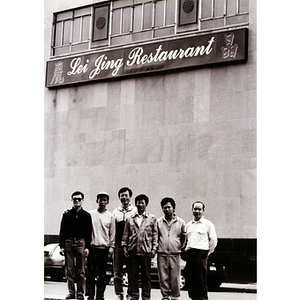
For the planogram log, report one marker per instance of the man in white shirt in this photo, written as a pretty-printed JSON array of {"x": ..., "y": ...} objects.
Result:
[
  {"x": 101, "y": 247},
  {"x": 201, "y": 242}
]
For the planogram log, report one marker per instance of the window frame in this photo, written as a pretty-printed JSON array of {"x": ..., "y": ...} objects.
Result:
[
  {"x": 71, "y": 42},
  {"x": 168, "y": 27}
]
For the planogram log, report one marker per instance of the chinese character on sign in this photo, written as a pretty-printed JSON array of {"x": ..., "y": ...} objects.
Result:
[
  {"x": 231, "y": 49},
  {"x": 58, "y": 73}
]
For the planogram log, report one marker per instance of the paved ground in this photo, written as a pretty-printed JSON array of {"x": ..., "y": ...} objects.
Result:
[{"x": 228, "y": 291}]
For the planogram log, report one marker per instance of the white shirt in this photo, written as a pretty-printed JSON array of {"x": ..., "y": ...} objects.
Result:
[
  {"x": 139, "y": 219},
  {"x": 103, "y": 234},
  {"x": 201, "y": 235}
]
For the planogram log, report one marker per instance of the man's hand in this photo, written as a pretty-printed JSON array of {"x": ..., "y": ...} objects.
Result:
[
  {"x": 86, "y": 252},
  {"x": 110, "y": 252},
  {"x": 62, "y": 251},
  {"x": 126, "y": 254},
  {"x": 152, "y": 253}
]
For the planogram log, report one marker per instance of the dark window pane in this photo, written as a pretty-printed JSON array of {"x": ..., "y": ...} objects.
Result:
[
  {"x": 67, "y": 32},
  {"x": 231, "y": 7},
  {"x": 58, "y": 34},
  {"x": 85, "y": 28},
  {"x": 219, "y": 8},
  {"x": 159, "y": 13},
  {"x": 206, "y": 8},
  {"x": 170, "y": 18},
  {"x": 64, "y": 15},
  {"x": 80, "y": 47},
  {"x": 147, "y": 22},
  {"x": 76, "y": 30},
  {"x": 244, "y": 6},
  {"x": 126, "y": 19},
  {"x": 116, "y": 21},
  {"x": 62, "y": 50},
  {"x": 137, "y": 18},
  {"x": 82, "y": 11}
]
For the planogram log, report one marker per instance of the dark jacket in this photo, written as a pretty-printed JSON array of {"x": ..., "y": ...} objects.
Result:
[{"x": 75, "y": 225}]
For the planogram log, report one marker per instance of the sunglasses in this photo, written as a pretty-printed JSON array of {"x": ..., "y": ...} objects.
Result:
[{"x": 77, "y": 199}]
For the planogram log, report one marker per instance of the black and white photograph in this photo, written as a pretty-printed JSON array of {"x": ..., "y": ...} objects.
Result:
[
  {"x": 145, "y": 101},
  {"x": 147, "y": 150}
]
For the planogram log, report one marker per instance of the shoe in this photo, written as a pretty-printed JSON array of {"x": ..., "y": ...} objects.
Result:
[
  {"x": 119, "y": 297},
  {"x": 80, "y": 296},
  {"x": 71, "y": 296},
  {"x": 90, "y": 298}
]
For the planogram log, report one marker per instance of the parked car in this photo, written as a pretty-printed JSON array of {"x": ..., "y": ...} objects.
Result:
[
  {"x": 54, "y": 264},
  {"x": 54, "y": 269},
  {"x": 215, "y": 274}
]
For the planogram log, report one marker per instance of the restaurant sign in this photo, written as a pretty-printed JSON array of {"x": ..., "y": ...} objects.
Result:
[{"x": 220, "y": 47}]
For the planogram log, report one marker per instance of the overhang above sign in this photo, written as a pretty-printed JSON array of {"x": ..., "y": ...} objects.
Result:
[{"x": 221, "y": 47}]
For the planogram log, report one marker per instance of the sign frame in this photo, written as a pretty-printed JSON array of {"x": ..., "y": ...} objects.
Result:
[{"x": 223, "y": 47}]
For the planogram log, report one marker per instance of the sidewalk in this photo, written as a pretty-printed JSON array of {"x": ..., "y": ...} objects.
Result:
[
  {"x": 58, "y": 291},
  {"x": 239, "y": 287}
]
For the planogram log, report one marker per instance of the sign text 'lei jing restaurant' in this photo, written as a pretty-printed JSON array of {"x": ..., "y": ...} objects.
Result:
[{"x": 221, "y": 47}]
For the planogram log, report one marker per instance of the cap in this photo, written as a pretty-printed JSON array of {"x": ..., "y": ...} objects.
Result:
[{"x": 103, "y": 194}]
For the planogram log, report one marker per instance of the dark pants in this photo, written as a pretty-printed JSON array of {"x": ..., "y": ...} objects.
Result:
[
  {"x": 75, "y": 264},
  {"x": 196, "y": 274},
  {"x": 96, "y": 263},
  {"x": 119, "y": 261},
  {"x": 136, "y": 261}
]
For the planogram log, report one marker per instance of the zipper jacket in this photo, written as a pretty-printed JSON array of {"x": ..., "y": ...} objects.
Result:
[
  {"x": 121, "y": 214},
  {"x": 171, "y": 236},
  {"x": 140, "y": 239}
]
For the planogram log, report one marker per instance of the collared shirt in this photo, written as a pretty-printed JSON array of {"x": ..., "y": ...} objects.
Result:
[
  {"x": 103, "y": 234},
  {"x": 120, "y": 215},
  {"x": 140, "y": 218},
  {"x": 140, "y": 239},
  {"x": 75, "y": 224},
  {"x": 171, "y": 235},
  {"x": 201, "y": 235}
]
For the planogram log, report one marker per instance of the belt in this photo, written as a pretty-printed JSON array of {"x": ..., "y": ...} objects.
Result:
[{"x": 74, "y": 238}]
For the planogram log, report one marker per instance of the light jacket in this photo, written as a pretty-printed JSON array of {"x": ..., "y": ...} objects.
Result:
[
  {"x": 120, "y": 214},
  {"x": 171, "y": 237},
  {"x": 140, "y": 240}
]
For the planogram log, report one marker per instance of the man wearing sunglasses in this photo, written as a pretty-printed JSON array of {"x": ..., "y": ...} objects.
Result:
[{"x": 74, "y": 240}]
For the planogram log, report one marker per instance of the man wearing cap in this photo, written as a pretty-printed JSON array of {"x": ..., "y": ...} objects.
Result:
[
  {"x": 101, "y": 248},
  {"x": 120, "y": 214},
  {"x": 74, "y": 241}
]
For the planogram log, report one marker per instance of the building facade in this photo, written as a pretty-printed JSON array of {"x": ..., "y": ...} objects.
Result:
[{"x": 159, "y": 96}]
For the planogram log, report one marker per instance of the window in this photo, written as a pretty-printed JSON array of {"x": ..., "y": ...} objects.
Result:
[
  {"x": 71, "y": 31},
  {"x": 119, "y": 22},
  {"x": 145, "y": 15},
  {"x": 223, "y": 13}
]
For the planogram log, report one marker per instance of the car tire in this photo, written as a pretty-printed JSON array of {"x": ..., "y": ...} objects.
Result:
[
  {"x": 125, "y": 279},
  {"x": 182, "y": 282}
]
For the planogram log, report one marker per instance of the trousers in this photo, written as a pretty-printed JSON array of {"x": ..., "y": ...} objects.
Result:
[
  {"x": 118, "y": 266},
  {"x": 169, "y": 275},
  {"x": 136, "y": 262},
  {"x": 75, "y": 264},
  {"x": 196, "y": 274},
  {"x": 96, "y": 272}
]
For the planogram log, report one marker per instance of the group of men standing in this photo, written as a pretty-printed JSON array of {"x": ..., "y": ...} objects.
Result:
[{"x": 131, "y": 236}]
